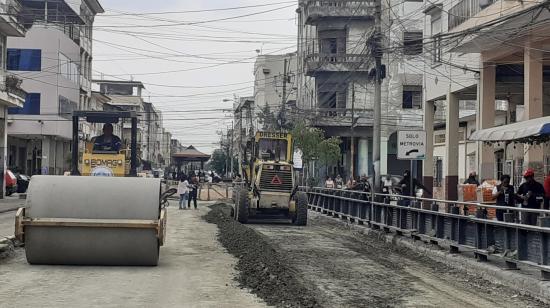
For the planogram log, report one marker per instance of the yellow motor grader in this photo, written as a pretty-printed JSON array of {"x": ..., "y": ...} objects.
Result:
[{"x": 269, "y": 186}]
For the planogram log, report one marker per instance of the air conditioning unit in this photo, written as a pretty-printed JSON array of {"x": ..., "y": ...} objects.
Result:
[{"x": 266, "y": 71}]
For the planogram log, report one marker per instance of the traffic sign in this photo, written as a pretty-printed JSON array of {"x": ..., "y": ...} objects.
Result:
[{"x": 411, "y": 145}]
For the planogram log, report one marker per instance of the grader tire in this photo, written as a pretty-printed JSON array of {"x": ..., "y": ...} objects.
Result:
[
  {"x": 241, "y": 206},
  {"x": 301, "y": 209}
]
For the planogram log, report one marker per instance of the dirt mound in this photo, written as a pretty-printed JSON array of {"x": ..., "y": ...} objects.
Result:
[{"x": 261, "y": 267}]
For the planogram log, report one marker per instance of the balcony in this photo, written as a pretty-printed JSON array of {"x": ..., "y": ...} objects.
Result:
[
  {"x": 11, "y": 21},
  {"x": 11, "y": 94},
  {"x": 319, "y": 63},
  {"x": 342, "y": 117},
  {"x": 85, "y": 84},
  {"x": 466, "y": 9},
  {"x": 315, "y": 11}
]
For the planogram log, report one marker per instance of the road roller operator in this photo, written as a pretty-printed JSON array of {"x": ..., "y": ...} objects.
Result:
[{"x": 108, "y": 141}]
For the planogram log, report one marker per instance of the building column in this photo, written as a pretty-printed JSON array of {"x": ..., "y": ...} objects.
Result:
[
  {"x": 362, "y": 157},
  {"x": 3, "y": 149},
  {"x": 451, "y": 148},
  {"x": 384, "y": 155},
  {"x": 534, "y": 156},
  {"x": 486, "y": 119},
  {"x": 428, "y": 164},
  {"x": 46, "y": 155}
]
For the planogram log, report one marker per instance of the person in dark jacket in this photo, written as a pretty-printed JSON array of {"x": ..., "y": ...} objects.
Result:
[
  {"x": 531, "y": 194},
  {"x": 472, "y": 179},
  {"x": 505, "y": 195},
  {"x": 193, "y": 191},
  {"x": 405, "y": 185}
]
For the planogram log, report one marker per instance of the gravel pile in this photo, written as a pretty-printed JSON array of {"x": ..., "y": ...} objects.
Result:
[{"x": 261, "y": 267}]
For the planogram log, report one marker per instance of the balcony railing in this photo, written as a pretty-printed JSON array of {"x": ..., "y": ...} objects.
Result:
[
  {"x": 319, "y": 9},
  {"x": 336, "y": 63},
  {"x": 343, "y": 116},
  {"x": 12, "y": 11},
  {"x": 465, "y": 9},
  {"x": 13, "y": 86}
]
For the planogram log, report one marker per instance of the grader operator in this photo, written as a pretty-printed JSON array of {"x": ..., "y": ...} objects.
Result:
[
  {"x": 269, "y": 186},
  {"x": 102, "y": 214}
]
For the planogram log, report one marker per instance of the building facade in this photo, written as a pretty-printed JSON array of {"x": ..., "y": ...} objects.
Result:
[
  {"x": 492, "y": 52},
  {"x": 49, "y": 59},
  {"x": 334, "y": 77}
]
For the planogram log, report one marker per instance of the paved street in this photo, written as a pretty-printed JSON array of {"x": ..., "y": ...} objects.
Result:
[{"x": 194, "y": 271}]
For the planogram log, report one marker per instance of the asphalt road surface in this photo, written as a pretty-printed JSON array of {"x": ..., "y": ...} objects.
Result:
[
  {"x": 348, "y": 269},
  {"x": 194, "y": 271}
]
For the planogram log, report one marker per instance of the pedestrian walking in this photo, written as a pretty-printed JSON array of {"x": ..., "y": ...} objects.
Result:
[
  {"x": 505, "y": 195},
  {"x": 193, "y": 190},
  {"x": 531, "y": 194},
  {"x": 183, "y": 191}
]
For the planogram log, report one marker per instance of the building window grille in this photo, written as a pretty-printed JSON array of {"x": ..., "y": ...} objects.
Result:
[
  {"x": 412, "y": 97},
  {"x": 412, "y": 43}
]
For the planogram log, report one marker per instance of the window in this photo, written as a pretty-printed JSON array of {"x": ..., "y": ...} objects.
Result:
[
  {"x": 439, "y": 138},
  {"x": 31, "y": 105},
  {"x": 412, "y": 97},
  {"x": 438, "y": 171},
  {"x": 66, "y": 107},
  {"x": 499, "y": 163},
  {"x": 412, "y": 43},
  {"x": 24, "y": 59},
  {"x": 436, "y": 38},
  {"x": 68, "y": 69}
]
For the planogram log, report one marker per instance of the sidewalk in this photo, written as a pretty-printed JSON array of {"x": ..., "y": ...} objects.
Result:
[{"x": 11, "y": 203}]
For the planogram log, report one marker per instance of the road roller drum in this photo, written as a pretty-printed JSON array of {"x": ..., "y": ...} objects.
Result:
[{"x": 92, "y": 221}]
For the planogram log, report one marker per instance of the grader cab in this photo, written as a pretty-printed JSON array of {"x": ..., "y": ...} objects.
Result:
[{"x": 269, "y": 186}]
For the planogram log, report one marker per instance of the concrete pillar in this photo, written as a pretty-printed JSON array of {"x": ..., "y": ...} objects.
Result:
[
  {"x": 362, "y": 156},
  {"x": 384, "y": 155},
  {"x": 486, "y": 119},
  {"x": 428, "y": 164},
  {"x": 46, "y": 155},
  {"x": 451, "y": 148},
  {"x": 534, "y": 156},
  {"x": 3, "y": 149}
]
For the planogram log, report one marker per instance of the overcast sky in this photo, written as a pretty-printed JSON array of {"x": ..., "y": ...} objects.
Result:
[{"x": 182, "y": 65}]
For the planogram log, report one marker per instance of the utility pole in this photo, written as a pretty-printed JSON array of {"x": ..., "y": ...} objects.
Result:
[
  {"x": 377, "y": 133},
  {"x": 231, "y": 148},
  {"x": 283, "y": 103},
  {"x": 353, "y": 130}
]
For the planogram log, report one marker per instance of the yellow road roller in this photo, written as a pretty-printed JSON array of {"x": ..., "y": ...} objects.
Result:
[{"x": 103, "y": 214}]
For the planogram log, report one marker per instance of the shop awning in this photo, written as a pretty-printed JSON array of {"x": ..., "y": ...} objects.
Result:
[{"x": 530, "y": 131}]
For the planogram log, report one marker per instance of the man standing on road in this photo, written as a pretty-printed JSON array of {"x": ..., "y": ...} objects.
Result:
[
  {"x": 194, "y": 188},
  {"x": 531, "y": 194}
]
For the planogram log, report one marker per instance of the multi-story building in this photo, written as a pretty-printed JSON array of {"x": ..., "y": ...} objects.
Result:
[
  {"x": 334, "y": 77},
  {"x": 153, "y": 135},
  {"x": 274, "y": 76},
  {"x": 492, "y": 52},
  {"x": 166, "y": 148},
  {"x": 12, "y": 24},
  {"x": 50, "y": 59},
  {"x": 126, "y": 95}
]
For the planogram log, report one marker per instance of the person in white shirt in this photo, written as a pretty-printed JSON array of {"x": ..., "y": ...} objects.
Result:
[{"x": 183, "y": 191}]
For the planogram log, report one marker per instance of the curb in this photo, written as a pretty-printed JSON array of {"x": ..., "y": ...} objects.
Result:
[
  {"x": 522, "y": 283},
  {"x": 11, "y": 209}
]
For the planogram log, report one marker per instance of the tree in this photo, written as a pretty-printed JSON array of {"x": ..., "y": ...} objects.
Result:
[
  {"x": 314, "y": 146},
  {"x": 218, "y": 161},
  {"x": 267, "y": 118}
]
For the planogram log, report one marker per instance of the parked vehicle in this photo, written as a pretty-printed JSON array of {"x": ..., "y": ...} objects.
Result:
[
  {"x": 23, "y": 182},
  {"x": 11, "y": 182}
]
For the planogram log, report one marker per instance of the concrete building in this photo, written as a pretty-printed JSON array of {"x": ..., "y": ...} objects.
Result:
[
  {"x": 152, "y": 136},
  {"x": 54, "y": 59},
  {"x": 166, "y": 148},
  {"x": 488, "y": 51},
  {"x": 126, "y": 95},
  {"x": 12, "y": 24},
  {"x": 334, "y": 78},
  {"x": 274, "y": 76}
]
